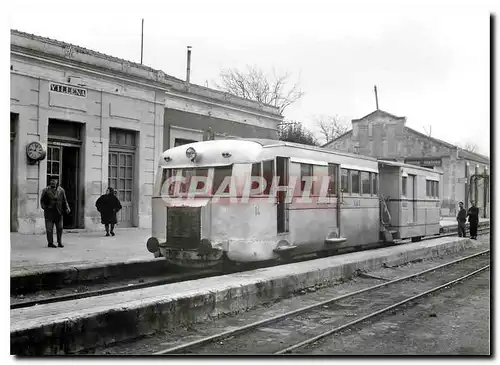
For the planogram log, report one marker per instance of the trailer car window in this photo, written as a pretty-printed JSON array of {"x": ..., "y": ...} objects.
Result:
[
  {"x": 374, "y": 183},
  {"x": 365, "y": 182},
  {"x": 404, "y": 183},
  {"x": 355, "y": 181}
]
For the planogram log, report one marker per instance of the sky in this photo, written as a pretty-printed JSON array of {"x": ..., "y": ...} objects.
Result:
[{"x": 429, "y": 60}]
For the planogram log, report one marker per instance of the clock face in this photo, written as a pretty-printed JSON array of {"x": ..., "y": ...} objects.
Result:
[{"x": 35, "y": 151}]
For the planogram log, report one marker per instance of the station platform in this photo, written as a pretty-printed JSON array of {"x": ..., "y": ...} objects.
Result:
[
  {"x": 68, "y": 327},
  {"x": 30, "y": 255}
]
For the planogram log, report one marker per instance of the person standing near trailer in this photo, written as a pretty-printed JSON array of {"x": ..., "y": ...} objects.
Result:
[
  {"x": 461, "y": 219},
  {"x": 473, "y": 215},
  {"x": 108, "y": 205}
]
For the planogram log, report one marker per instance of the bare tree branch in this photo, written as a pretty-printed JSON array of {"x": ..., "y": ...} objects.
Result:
[
  {"x": 253, "y": 84},
  {"x": 331, "y": 127},
  {"x": 468, "y": 146}
]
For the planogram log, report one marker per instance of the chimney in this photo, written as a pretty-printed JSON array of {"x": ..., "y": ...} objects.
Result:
[{"x": 188, "y": 71}]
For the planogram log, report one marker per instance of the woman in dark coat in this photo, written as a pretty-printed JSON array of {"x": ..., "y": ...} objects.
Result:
[{"x": 108, "y": 205}]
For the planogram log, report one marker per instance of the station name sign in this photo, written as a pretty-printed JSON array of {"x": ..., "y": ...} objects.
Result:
[
  {"x": 425, "y": 162},
  {"x": 68, "y": 90}
]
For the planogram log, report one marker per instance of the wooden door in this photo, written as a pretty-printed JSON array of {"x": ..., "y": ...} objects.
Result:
[{"x": 121, "y": 175}]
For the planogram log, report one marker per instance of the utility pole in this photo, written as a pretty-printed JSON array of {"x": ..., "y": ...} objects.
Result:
[
  {"x": 376, "y": 96},
  {"x": 142, "y": 38}
]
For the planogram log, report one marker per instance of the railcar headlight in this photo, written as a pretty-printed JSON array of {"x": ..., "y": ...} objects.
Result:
[{"x": 191, "y": 153}]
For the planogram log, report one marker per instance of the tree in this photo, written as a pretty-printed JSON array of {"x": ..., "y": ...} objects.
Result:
[
  {"x": 297, "y": 133},
  {"x": 471, "y": 147},
  {"x": 331, "y": 127},
  {"x": 254, "y": 85}
]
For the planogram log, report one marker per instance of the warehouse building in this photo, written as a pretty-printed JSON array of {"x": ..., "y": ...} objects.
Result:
[{"x": 386, "y": 136}]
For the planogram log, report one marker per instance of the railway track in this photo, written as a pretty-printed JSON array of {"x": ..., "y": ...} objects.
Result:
[
  {"x": 295, "y": 330},
  {"x": 179, "y": 277}
]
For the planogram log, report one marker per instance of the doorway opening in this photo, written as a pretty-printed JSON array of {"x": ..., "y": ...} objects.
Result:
[
  {"x": 63, "y": 163},
  {"x": 282, "y": 206},
  {"x": 14, "y": 118}
]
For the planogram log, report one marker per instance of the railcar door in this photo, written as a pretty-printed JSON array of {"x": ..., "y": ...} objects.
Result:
[
  {"x": 412, "y": 199},
  {"x": 282, "y": 206}
]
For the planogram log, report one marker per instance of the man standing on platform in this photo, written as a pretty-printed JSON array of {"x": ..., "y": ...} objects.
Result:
[
  {"x": 54, "y": 204},
  {"x": 461, "y": 219},
  {"x": 473, "y": 215}
]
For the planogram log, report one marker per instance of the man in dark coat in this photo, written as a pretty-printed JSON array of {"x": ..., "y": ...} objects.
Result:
[
  {"x": 461, "y": 219},
  {"x": 108, "y": 205},
  {"x": 54, "y": 203},
  {"x": 473, "y": 215}
]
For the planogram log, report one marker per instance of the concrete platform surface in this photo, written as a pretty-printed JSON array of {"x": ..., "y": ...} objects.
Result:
[
  {"x": 452, "y": 221},
  {"x": 73, "y": 326},
  {"x": 29, "y": 253}
]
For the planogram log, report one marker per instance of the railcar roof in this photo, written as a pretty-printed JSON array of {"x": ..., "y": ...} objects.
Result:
[
  {"x": 400, "y": 164},
  {"x": 277, "y": 143}
]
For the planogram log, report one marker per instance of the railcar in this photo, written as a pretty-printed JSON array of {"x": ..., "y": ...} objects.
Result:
[{"x": 250, "y": 200}]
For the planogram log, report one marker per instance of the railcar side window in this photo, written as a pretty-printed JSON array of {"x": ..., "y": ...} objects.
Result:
[
  {"x": 365, "y": 182},
  {"x": 374, "y": 183},
  {"x": 428, "y": 188},
  {"x": 344, "y": 181},
  {"x": 268, "y": 174},
  {"x": 332, "y": 183},
  {"x": 220, "y": 174},
  {"x": 305, "y": 171},
  {"x": 355, "y": 181},
  {"x": 404, "y": 183}
]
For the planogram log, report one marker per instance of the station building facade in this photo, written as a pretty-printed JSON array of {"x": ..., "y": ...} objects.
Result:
[
  {"x": 385, "y": 136},
  {"x": 95, "y": 121}
]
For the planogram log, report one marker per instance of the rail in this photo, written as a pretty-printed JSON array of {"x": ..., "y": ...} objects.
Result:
[{"x": 243, "y": 329}]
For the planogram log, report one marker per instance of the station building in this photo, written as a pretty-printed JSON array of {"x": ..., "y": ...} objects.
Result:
[
  {"x": 95, "y": 121},
  {"x": 385, "y": 136}
]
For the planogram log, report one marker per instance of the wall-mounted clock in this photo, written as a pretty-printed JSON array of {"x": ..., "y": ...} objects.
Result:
[{"x": 35, "y": 152}]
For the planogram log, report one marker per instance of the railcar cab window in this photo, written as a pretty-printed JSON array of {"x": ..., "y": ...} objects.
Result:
[
  {"x": 344, "y": 181},
  {"x": 222, "y": 175},
  {"x": 306, "y": 171},
  {"x": 365, "y": 182},
  {"x": 355, "y": 181},
  {"x": 188, "y": 175}
]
